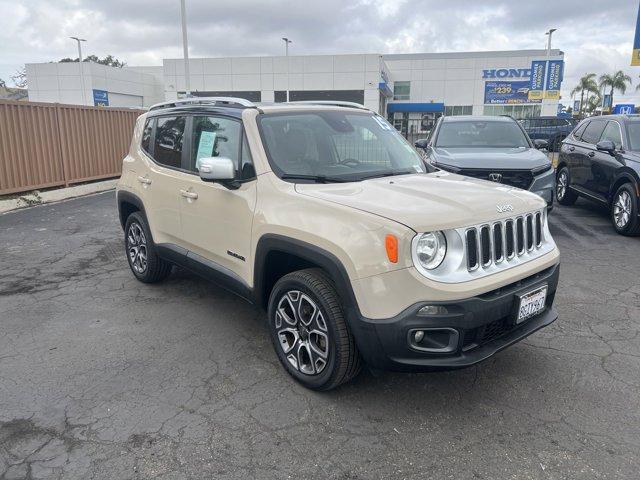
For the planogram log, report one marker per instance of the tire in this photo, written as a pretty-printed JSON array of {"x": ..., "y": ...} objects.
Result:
[
  {"x": 564, "y": 194},
  {"x": 624, "y": 211},
  {"x": 141, "y": 252},
  {"x": 309, "y": 332}
]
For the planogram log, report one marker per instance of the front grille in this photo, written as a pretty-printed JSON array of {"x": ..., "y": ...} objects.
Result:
[
  {"x": 491, "y": 244},
  {"x": 515, "y": 178}
]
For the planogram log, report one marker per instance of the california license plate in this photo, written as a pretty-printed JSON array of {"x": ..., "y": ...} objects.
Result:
[{"x": 531, "y": 303}]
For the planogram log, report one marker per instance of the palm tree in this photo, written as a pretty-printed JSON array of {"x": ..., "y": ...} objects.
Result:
[
  {"x": 617, "y": 81},
  {"x": 587, "y": 84}
]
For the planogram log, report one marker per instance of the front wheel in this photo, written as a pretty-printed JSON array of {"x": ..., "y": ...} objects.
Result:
[
  {"x": 564, "y": 194},
  {"x": 309, "y": 331},
  {"x": 143, "y": 259},
  {"x": 624, "y": 211}
]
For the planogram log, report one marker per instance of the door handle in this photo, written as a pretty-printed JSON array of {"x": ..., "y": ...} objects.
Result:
[
  {"x": 592, "y": 154},
  {"x": 189, "y": 195},
  {"x": 144, "y": 180},
  {"x": 571, "y": 149}
]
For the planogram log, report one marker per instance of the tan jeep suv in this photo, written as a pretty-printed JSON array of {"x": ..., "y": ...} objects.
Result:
[{"x": 323, "y": 215}]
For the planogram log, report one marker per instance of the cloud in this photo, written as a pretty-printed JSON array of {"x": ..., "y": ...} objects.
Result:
[{"x": 143, "y": 32}]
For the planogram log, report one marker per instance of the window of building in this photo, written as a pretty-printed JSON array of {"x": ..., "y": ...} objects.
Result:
[
  {"x": 146, "y": 136},
  {"x": 451, "y": 110},
  {"x": 167, "y": 149},
  {"x": 401, "y": 90},
  {"x": 516, "y": 111}
]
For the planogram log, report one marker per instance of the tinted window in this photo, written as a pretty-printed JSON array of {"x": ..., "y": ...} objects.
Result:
[
  {"x": 633, "y": 134},
  {"x": 612, "y": 132},
  {"x": 593, "y": 131},
  {"x": 479, "y": 134},
  {"x": 146, "y": 136},
  {"x": 247, "y": 169},
  {"x": 401, "y": 90},
  {"x": 578, "y": 131},
  {"x": 215, "y": 137},
  {"x": 167, "y": 148}
]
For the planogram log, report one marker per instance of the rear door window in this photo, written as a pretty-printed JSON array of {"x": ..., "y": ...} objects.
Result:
[
  {"x": 593, "y": 132},
  {"x": 167, "y": 148},
  {"x": 577, "y": 133},
  {"x": 146, "y": 136}
]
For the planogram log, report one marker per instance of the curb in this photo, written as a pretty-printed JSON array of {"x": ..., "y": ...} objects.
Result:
[{"x": 34, "y": 198}]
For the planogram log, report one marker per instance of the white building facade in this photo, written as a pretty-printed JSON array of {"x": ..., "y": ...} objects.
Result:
[{"x": 403, "y": 87}]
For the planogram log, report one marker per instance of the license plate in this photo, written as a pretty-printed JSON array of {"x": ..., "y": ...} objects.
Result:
[{"x": 531, "y": 303}]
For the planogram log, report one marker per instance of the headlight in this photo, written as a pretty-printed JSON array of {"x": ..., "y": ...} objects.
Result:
[{"x": 430, "y": 249}]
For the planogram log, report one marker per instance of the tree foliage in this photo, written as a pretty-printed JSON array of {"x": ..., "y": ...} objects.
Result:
[{"x": 109, "y": 60}]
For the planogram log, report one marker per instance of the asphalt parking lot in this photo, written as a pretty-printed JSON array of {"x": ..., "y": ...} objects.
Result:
[{"x": 103, "y": 377}]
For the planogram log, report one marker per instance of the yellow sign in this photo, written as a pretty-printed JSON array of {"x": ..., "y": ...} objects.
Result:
[
  {"x": 635, "y": 58},
  {"x": 552, "y": 94},
  {"x": 535, "y": 95}
]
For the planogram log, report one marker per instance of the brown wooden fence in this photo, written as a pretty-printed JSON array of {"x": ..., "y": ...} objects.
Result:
[{"x": 49, "y": 144}]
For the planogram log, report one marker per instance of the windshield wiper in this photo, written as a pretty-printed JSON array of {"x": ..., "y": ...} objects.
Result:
[
  {"x": 315, "y": 178},
  {"x": 389, "y": 173}
]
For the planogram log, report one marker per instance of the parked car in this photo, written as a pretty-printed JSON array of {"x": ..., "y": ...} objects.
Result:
[
  {"x": 328, "y": 219},
  {"x": 600, "y": 161},
  {"x": 552, "y": 129},
  {"x": 494, "y": 148}
]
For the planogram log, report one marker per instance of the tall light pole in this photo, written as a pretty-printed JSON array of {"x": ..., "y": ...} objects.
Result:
[
  {"x": 286, "y": 54},
  {"x": 544, "y": 85},
  {"x": 185, "y": 48},
  {"x": 80, "y": 40}
]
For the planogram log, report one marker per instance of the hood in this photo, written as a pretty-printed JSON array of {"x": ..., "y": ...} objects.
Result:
[
  {"x": 491, "y": 158},
  {"x": 425, "y": 202}
]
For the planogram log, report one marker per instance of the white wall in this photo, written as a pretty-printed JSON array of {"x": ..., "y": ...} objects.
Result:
[
  {"x": 456, "y": 78},
  {"x": 268, "y": 74},
  {"x": 62, "y": 83}
]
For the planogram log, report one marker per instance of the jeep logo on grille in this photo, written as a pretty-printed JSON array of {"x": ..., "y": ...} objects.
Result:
[
  {"x": 495, "y": 177},
  {"x": 504, "y": 208}
]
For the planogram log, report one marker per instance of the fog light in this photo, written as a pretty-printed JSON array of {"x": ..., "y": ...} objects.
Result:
[
  {"x": 418, "y": 336},
  {"x": 432, "y": 310}
]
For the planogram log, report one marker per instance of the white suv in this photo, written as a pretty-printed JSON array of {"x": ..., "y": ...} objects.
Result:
[{"x": 323, "y": 215}]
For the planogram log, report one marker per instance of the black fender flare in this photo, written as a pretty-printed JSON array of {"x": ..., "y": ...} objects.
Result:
[
  {"x": 311, "y": 253},
  {"x": 127, "y": 197},
  {"x": 627, "y": 175}
]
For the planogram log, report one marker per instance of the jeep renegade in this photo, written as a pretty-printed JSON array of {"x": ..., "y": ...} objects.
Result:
[{"x": 323, "y": 215}]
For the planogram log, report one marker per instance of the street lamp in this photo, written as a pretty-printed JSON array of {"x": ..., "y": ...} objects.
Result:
[
  {"x": 185, "y": 49},
  {"x": 544, "y": 85},
  {"x": 550, "y": 32},
  {"x": 79, "y": 40},
  {"x": 286, "y": 54}
]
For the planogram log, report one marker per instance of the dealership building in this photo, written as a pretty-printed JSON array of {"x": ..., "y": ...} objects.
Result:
[{"x": 403, "y": 87}]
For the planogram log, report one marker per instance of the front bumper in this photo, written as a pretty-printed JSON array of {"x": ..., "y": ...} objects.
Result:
[{"x": 484, "y": 325}]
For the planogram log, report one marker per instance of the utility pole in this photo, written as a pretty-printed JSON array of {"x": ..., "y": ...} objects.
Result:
[
  {"x": 185, "y": 48},
  {"x": 286, "y": 54},
  {"x": 84, "y": 94}
]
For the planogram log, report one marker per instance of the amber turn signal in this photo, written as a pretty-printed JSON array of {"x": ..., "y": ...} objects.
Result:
[{"x": 391, "y": 244}]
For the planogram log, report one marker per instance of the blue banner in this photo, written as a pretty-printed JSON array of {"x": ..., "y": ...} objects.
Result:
[
  {"x": 100, "y": 98},
  {"x": 554, "y": 75},
  {"x": 507, "y": 93},
  {"x": 635, "y": 56},
  {"x": 538, "y": 69}
]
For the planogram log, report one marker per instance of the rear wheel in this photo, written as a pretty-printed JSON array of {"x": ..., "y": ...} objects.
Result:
[
  {"x": 564, "y": 194},
  {"x": 309, "y": 331},
  {"x": 624, "y": 211},
  {"x": 142, "y": 256}
]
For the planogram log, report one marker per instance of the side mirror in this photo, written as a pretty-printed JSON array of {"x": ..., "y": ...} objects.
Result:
[
  {"x": 540, "y": 144},
  {"x": 422, "y": 143},
  {"x": 216, "y": 169},
  {"x": 606, "y": 146}
]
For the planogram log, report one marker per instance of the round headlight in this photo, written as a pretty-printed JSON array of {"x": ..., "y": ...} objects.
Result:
[{"x": 430, "y": 249}]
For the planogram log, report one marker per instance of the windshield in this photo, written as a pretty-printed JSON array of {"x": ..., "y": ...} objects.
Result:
[
  {"x": 336, "y": 146},
  {"x": 480, "y": 134},
  {"x": 633, "y": 132}
]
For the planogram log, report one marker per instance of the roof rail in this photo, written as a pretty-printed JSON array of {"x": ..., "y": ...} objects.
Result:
[
  {"x": 335, "y": 103},
  {"x": 226, "y": 101}
]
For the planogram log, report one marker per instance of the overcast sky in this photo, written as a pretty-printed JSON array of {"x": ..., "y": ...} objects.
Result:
[{"x": 595, "y": 35}]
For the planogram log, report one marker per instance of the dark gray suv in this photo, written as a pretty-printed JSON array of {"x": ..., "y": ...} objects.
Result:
[{"x": 494, "y": 148}]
